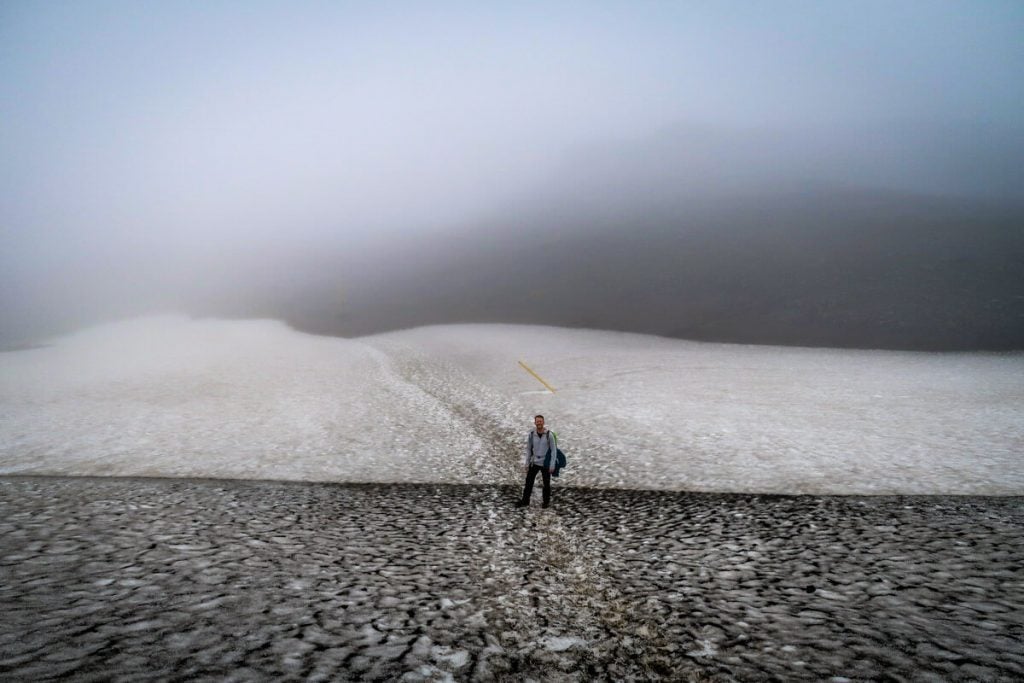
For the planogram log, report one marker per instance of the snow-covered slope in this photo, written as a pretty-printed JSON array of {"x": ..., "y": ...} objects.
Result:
[
  {"x": 170, "y": 396},
  {"x": 254, "y": 399}
]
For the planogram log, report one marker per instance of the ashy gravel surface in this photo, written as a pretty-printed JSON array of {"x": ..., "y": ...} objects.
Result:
[{"x": 161, "y": 579}]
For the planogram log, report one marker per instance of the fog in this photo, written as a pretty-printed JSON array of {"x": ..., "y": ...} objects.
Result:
[{"x": 800, "y": 173}]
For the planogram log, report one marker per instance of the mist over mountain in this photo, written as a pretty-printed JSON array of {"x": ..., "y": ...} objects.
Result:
[
  {"x": 887, "y": 272},
  {"x": 804, "y": 173},
  {"x": 741, "y": 245},
  {"x": 695, "y": 233}
]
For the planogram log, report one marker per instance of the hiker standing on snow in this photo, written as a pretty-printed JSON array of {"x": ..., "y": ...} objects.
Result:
[{"x": 538, "y": 444}]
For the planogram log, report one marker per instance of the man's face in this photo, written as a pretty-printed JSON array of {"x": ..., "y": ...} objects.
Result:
[{"x": 539, "y": 421}]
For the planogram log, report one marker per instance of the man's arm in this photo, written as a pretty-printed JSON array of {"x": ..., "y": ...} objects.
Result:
[{"x": 526, "y": 456}]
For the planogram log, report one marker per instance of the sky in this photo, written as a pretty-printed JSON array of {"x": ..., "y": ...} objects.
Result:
[{"x": 146, "y": 138}]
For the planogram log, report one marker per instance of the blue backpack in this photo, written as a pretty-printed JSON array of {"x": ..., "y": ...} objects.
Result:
[{"x": 560, "y": 460}]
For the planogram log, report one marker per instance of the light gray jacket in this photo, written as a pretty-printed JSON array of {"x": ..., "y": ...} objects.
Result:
[{"x": 540, "y": 448}]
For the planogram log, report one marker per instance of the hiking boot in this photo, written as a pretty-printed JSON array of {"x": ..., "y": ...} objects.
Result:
[
  {"x": 521, "y": 504},
  {"x": 546, "y": 504}
]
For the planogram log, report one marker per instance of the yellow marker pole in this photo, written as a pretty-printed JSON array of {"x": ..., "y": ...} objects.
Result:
[{"x": 539, "y": 378}]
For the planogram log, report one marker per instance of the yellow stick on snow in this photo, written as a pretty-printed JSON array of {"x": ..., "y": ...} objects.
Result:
[{"x": 539, "y": 378}]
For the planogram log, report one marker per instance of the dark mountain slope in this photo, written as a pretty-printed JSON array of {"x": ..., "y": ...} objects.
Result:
[{"x": 828, "y": 268}]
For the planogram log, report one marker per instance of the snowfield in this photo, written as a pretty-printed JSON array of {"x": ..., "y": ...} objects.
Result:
[
  {"x": 400, "y": 573},
  {"x": 180, "y": 397}
]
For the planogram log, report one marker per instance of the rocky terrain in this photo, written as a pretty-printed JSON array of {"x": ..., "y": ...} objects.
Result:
[{"x": 162, "y": 579}]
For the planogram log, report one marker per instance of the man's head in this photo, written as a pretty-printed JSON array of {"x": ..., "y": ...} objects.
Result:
[{"x": 539, "y": 421}]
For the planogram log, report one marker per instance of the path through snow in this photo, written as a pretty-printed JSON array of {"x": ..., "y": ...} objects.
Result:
[{"x": 171, "y": 396}]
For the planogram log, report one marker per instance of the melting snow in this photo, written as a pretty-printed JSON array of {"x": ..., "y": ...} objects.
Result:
[
  {"x": 172, "y": 396},
  {"x": 563, "y": 643}
]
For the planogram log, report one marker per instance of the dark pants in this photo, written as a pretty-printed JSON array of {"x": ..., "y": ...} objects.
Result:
[{"x": 530, "y": 476}]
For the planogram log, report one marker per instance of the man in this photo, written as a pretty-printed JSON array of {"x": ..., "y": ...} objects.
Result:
[{"x": 538, "y": 443}]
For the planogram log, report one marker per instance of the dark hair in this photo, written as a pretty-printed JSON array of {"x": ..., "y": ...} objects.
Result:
[{"x": 536, "y": 416}]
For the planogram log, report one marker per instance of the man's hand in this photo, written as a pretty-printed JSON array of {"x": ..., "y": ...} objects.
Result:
[{"x": 552, "y": 470}]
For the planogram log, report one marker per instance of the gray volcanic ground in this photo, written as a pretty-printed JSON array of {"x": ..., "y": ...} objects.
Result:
[
  {"x": 122, "y": 579},
  {"x": 409, "y": 561}
]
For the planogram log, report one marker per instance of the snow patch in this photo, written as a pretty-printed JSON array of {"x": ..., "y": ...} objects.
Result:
[
  {"x": 173, "y": 396},
  {"x": 563, "y": 643}
]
